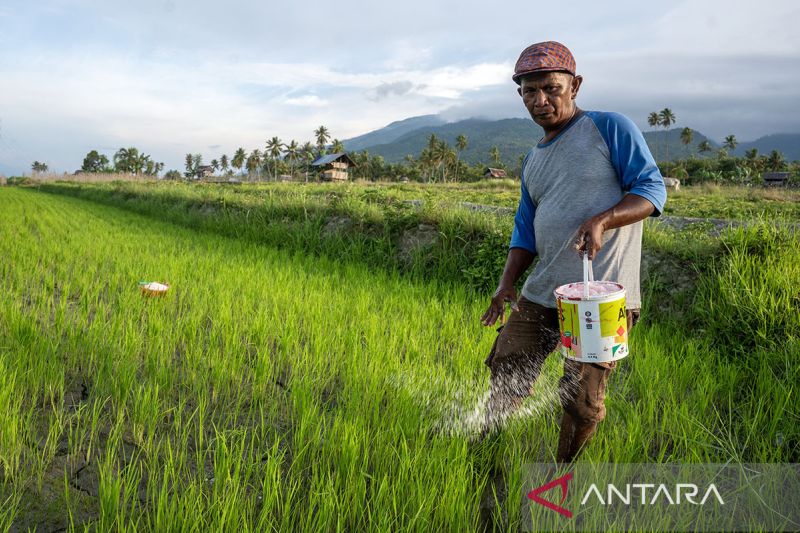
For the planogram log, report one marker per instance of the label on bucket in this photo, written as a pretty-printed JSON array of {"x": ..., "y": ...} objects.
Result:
[{"x": 593, "y": 330}]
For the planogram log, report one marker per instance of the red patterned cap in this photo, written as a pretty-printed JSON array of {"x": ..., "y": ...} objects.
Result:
[{"x": 548, "y": 56}]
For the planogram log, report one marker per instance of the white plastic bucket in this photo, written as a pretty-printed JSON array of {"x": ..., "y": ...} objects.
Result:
[{"x": 592, "y": 319}]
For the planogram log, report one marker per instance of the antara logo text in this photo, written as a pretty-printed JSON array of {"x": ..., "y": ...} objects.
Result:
[{"x": 628, "y": 494}]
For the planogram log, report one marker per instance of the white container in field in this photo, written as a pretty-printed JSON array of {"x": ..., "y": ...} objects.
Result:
[
  {"x": 153, "y": 288},
  {"x": 592, "y": 319}
]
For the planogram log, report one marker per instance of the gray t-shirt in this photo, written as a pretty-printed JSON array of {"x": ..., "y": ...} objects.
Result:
[{"x": 584, "y": 171}]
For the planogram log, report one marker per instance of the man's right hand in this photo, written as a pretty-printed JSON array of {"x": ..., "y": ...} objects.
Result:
[
  {"x": 497, "y": 307},
  {"x": 518, "y": 261}
]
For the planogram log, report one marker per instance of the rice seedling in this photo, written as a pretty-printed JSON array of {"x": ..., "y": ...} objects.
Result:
[{"x": 283, "y": 384}]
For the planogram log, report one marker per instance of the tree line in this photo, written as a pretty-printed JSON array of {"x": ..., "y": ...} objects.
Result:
[
  {"x": 437, "y": 161},
  {"x": 128, "y": 160},
  {"x": 719, "y": 169}
]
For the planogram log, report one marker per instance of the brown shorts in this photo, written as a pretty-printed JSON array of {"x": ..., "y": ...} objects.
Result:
[{"x": 523, "y": 344}]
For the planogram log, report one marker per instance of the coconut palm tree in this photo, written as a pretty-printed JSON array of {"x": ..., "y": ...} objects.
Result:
[
  {"x": 126, "y": 160},
  {"x": 426, "y": 162},
  {"x": 776, "y": 162},
  {"x": 443, "y": 155},
  {"x": 654, "y": 121},
  {"x": 322, "y": 136},
  {"x": 361, "y": 160},
  {"x": 223, "y": 163},
  {"x": 197, "y": 162},
  {"x": 254, "y": 163},
  {"x": 666, "y": 119},
  {"x": 239, "y": 157},
  {"x": 686, "y": 136},
  {"x": 337, "y": 146},
  {"x": 461, "y": 145},
  {"x": 730, "y": 142},
  {"x": 215, "y": 164},
  {"x": 494, "y": 153},
  {"x": 291, "y": 153},
  {"x": 188, "y": 162},
  {"x": 754, "y": 162},
  {"x": 39, "y": 167},
  {"x": 307, "y": 153},
  {"x": 274, "y": 150},
  {"x": 141, "y": 163},
  {"x": 704, "y": 146}
]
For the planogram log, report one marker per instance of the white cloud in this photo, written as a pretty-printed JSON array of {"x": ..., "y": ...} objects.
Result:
[
  {"x": 308, "y": 100},
  {"x": 174, "y": 76},
  {"x": 67, "y": 105}
]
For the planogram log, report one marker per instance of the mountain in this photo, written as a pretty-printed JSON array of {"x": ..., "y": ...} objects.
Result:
[
  {"x": 667, "y": 145},
  {"x": 392, "y": 132},
  {"x": 786, "y": 143},
  {"x": 513, "y": 137}
]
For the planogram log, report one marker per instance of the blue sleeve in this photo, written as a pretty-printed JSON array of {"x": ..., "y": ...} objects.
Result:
[
  {"x": 631, "y": 158},
  {"x": 523, "y": 235}
]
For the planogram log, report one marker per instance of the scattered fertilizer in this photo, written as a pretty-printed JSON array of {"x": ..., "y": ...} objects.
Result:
[{"x": 470, "y": 409}]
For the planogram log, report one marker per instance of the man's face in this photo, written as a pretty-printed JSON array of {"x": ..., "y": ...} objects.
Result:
[{"x": 549, "y": 97}]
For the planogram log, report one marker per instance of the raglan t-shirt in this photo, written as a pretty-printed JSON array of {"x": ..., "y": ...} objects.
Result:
[{"x": 586, "y": 169}]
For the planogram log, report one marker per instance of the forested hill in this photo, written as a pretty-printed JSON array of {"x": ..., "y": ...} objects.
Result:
[{"x": 515, "y": 136}]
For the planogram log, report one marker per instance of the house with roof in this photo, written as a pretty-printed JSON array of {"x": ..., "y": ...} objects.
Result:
[
  {"x": 775, "y": 178},
  {"x": 334, "y": 167},
  {"x": 204, "y": 171},
  {"x": 494, "y": 173}
]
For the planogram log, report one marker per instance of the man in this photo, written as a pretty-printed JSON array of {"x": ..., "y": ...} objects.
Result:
[{"x": 586, "y": 187}]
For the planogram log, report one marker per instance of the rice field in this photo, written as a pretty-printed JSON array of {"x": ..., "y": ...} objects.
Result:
[{"x": 273, "y": 389}]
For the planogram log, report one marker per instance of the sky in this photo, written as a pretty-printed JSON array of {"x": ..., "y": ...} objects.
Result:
[{"x": 172, "y": 77}]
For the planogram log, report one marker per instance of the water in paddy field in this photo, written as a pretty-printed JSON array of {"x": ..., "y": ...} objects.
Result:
[{"x": 470, "y": 408}]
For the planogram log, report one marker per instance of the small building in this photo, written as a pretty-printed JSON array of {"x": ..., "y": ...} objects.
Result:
[
  {"x": 204, "y": 171},
  {"x": 775, "y": 178},
  {"x": 334, "y": 167},
  {"x": 494, "y": 173}
]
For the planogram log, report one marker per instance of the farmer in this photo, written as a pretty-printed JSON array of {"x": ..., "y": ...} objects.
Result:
[{"x": 586, "y": 187}]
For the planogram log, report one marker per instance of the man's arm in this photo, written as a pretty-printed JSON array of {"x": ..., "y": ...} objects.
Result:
[
  {"x": 521, "y": 253},
  {"x": 638, "y": 175},
  {"x": 518, "y": 261},
  {"x": 632, "y": 208}
]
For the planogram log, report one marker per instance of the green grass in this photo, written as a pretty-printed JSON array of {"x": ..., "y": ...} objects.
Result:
[
  {"x": 277, "y": 389},
  {"x": 735, "y": 203}
]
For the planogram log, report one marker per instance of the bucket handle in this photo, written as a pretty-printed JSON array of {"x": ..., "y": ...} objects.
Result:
[{"x": 588, "y": 275}]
